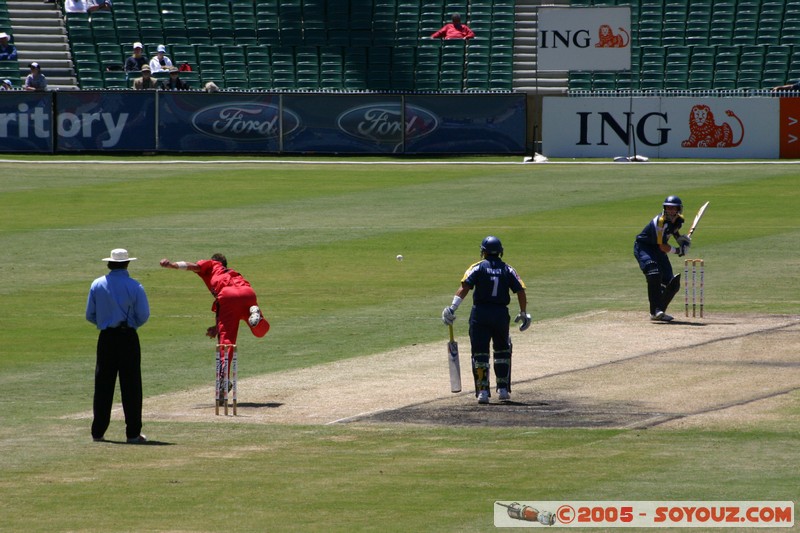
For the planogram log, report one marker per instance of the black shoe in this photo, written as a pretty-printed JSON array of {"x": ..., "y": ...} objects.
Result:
[{"x": 141, "y": 439}]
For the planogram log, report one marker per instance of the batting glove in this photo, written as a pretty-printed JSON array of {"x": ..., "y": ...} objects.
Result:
[
  {"x": 448, "y": 316},
  {"x": 525, "y": 318}
]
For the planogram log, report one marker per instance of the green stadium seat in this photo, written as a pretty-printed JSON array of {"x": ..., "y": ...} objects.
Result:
[
  {"x": 580, "y": 80},
  {"x": 116, "y": 80},
  {"x": 744, "y": 35},
  {"x": 91, "y": 82},
  {"x": 604, "y": 80},
  {"x": 627, "y": 80},
  {"x": 214, "y": 76},
  {"x": 260, "y": 81},
  {"x": 652, "y": 84},
  {"x": 701, "y": 80},
  {"x": 749, "y": 80},
  {"x": 84, "y": 50},
  {"x": 259, "y": 53},
  {"x": 724, "y": 84},
  {"x": 453, "y": 85},
  {"x": 10, "y": 69},
  {"x": 426, "y": 84}
]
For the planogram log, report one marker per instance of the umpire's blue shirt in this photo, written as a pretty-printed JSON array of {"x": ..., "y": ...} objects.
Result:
[{"x": 117, "y": 299}]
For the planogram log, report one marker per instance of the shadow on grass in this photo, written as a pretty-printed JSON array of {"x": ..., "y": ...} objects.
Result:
[{"x": 148, "y": 443}]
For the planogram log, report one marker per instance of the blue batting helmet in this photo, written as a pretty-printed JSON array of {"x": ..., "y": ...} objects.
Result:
[
  {"x": 674, "y": 200},
  {"x": 491, "y": 245}
]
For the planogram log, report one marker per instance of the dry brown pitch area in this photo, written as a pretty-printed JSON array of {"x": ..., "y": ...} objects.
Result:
[{"x": 595, "y": 370}]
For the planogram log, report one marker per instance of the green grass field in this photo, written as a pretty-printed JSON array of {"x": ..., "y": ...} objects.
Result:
[{"x": 318, "y": 242}]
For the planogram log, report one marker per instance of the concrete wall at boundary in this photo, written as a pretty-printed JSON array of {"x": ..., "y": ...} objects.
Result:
[
  {"x": 671, "y": 127},
  {"x": 197, "y": 122}
]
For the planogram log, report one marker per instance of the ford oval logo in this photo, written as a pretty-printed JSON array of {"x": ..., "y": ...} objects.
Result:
[
  {"x": 382, "y": 122},
  {"x": 244, "y": 121}
]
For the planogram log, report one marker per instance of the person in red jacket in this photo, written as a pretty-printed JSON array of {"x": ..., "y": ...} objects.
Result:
[
  {"x": 234, "y": 298},
  {"x": 454, "y": 30}
]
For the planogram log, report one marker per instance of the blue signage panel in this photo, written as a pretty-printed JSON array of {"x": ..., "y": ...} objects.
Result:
[
  {"x": 214, "y": 122},
  {"x": 357, "y": 124},
  {"x": 93, "y": 121},
  {"x": 26, "y": 122},
  {"x": 197, "y": 122},
  {"x": 465, "y": 124}
]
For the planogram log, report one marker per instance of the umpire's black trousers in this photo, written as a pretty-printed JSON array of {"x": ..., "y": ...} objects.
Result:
[{"x": 118, "y": 352}]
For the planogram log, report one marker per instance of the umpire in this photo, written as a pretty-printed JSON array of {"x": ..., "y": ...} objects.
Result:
[
  {"x": 118, "y": 306},
  {"x": 489, "y": 320}
]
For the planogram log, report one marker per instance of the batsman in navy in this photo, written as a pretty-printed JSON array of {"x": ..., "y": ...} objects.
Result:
[
  {"x": 493, "y": 281},
  {"x": 651, "y": 250}
]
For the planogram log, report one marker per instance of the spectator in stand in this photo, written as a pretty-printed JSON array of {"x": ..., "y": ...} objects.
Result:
[
  {"x": 6, "y": 85},
  {"x": 788, "y": 87},
  {"x": 98, "y": 5},
  {"x": 160, "y": 61},
  {"x": 174, "y": 83},
  {"x": 8, "y": 52},
  {"x": 454, "y": 30},
  {"x": 137, "y": 60},
  {"x": 76, "y": 6},
  {"x": 146, "y": 81},
  {"x": 35, "y": 80},
  {"x": 211, "y": 87}
]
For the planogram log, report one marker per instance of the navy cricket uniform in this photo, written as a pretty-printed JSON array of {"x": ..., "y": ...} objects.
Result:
[
  {"x": 653, "y": 262},
  {"x": 491, "y": 279}
]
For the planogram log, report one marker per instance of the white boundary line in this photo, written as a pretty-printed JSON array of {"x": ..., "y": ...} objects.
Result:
[{"x": 140, "y": 162}]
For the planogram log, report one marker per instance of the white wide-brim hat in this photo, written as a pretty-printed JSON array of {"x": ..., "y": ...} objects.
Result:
[{"x": 119, "y": 255}]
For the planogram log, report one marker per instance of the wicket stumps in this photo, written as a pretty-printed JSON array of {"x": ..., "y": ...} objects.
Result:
[
  {"x": 696, "y": 265},
  {"x": 226, "y": 380}
]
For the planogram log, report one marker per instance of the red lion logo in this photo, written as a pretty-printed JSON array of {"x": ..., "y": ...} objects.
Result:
[
  {"x": 705, "y": 133},
  {"x": 609, "y": 40}
]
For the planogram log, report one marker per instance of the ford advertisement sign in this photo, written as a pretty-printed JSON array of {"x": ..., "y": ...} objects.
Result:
[
  {"x": 385, "y": 122},
  {"x": 199, "y": 122},
  {"x": 263, "y": 123},
  {"x": 388, "y": 124}
]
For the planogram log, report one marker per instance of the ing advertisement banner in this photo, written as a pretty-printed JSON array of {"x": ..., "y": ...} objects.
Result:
[
  {"x": 679, "y": 127},
  {"x": 591, "y": 38}
]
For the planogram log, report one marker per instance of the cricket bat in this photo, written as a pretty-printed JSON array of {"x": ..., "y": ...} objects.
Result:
[
  {"x": 697, "y": 218},
  {"x": 455, "y": 365}
]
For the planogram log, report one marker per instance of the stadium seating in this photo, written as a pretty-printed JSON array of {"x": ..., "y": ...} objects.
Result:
[
  {"x": 383, "y": 45},
  {"x": 704, "y": 45},
  {"x": 376, "y": 45}
]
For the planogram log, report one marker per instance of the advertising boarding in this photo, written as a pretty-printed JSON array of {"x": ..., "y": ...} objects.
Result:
[
  {"x": 593, "y": 38},
  {"x": 26, "y": 122},
  {"x": 669, "y": 127},
  {"x": 113, "y": 121},
  {"x": 347, "y": 124},
  {"x": 205, "y": 122},
  {"x": 466, "y": 124},
  {"x": 412, "y": 124}
]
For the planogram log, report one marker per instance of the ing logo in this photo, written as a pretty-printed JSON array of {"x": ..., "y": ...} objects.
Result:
[
  {"x": 607, "y": 38},
  {"x": 706, "y": 133}
]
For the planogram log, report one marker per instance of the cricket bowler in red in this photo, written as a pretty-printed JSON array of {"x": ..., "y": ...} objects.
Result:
[{"x": 234, "y": 298}]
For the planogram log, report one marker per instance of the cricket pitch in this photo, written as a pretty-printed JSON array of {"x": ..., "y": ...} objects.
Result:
[{"x": 594, "y": 370}]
